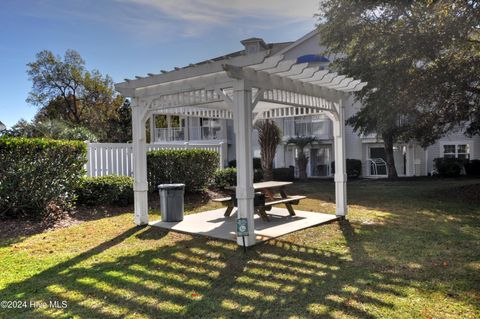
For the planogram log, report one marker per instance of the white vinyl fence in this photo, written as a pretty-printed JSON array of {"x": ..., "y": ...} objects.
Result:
[{"x": 117, "y": 158}]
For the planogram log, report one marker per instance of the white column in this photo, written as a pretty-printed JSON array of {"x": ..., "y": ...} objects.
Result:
[
  {"x": 340, "y": 165},
  {"x": 140, "y": 186},
  {"x": 242, "y": 121}
]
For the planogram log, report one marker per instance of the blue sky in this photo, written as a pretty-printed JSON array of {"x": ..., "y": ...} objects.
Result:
[{"x": 124, "y": 38}]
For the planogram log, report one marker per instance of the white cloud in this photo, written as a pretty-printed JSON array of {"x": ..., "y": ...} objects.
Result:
[
  {"x": 199, "y": 16},
  {"x": 218, "y": 10},
  {"x": 159, "y": 20}
]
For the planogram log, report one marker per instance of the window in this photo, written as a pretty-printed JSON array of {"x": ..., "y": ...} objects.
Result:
[
  {"x": 209, "y": 129},
  {"x": 310, "y": 125},
  {"x": 449, "y": 151},
  {"x": 461, "y": 151},
  {"x": 208, "y": 122}
]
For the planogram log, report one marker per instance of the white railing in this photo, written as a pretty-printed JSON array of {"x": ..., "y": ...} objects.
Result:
[
  {"x": 117, "y": 158},
  {"x": 320, "y": 129},
  {"x": 205, "y": 133},
  {"x": 199, "y": 133},
  {"x": 170, "y": 134}
]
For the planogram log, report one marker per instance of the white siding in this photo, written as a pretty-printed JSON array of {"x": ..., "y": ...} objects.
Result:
[{"x": 310, "y": 46}]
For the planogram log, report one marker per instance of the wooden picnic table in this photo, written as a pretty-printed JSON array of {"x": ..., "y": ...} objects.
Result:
[{"x": 265, "y": 198}]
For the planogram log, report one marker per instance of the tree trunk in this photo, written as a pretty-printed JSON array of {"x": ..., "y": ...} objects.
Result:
[
  {"x": 302, "y": 162},
  {"x": 268, "y": 138},
  {"x": 267, "y": 174},
  {"x": 388, "y": 145}
]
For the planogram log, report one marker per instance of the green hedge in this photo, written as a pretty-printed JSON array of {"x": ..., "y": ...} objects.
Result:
[
  {"x": 228, "y": 177},
  {"x": 36, "y": 172},
  {"x": 257, "y": 169},
  {"x": 224, "y": 177},
  {"x": 105, "y": 190},
  {"x": 194, "y": 168},
  {"x": 449, "y": 167},
  {"x": 354, "y": 167}
]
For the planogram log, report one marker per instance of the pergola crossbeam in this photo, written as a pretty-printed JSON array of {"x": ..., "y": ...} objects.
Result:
[
  {"x": 188, "y": 98},
  {"x": 282, "y": 112},
  {"x": 196, "y": 112},
  {"x": 298, "y": 100}
]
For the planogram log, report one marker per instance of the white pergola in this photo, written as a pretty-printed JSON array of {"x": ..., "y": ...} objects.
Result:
[{"x": 246, "y": 89}]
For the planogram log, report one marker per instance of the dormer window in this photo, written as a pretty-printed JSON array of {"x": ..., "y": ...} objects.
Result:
[{"x": 254, "y": 45}]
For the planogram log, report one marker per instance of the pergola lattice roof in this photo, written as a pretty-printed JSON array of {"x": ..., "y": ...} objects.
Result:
[{"x": 282, "y": 88}]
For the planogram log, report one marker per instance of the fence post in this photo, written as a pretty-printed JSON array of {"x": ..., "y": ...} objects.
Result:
[{"x": 88, "y": 163}]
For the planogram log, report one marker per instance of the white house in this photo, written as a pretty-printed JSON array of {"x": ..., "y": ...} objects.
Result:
[{"x": 410, "y": 158}]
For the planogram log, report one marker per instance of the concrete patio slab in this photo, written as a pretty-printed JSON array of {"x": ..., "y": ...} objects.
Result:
[{"x": 213, "y": 224}]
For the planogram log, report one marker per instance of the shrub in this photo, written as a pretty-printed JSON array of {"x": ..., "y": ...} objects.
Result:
[
  {"x": 449, "y": 167},
  {"x": 36, "y": 172},
  {"x": 194, "y": 168},
  {"x": 354, "y": 167},
  {"x": 257, "y": 163},
  {"x": 284, "y": 174},
  {"x": 225, "y": 177},
  {"x": 228, "y": 177},
  {"x": 113, "y": 190},
  {"x": 257, "y": 168},
  {"x": 472, "y": 168}
]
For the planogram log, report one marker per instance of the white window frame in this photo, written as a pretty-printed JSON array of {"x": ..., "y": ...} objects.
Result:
[{"x": 456, "y": 144}]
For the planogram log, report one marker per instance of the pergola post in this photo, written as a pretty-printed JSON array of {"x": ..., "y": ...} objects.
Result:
[
  {"x": 152, "y": 128},
  {"x": 340, "y": 164},
  {"x": 140, "y": 186},
  {"x": 242, "y": 120}
]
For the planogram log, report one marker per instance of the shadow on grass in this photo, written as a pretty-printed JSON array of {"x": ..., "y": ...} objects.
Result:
[
  {"x": 201, "y": 278},
  {"x": 381, "y": 263},
  {"x": 410, "y": 220}
]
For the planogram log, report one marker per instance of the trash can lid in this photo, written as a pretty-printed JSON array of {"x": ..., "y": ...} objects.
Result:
[{"x": 171, "y": 186}]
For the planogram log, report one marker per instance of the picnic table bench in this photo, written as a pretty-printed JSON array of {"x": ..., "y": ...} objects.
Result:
[{"x": 265, "y": 198}]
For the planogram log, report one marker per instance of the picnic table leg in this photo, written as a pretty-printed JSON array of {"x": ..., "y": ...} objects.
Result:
[
  {"x": 228, "y": 211},
  {"x": 289, "y": 206},
  {"x": 290, "y": 209},
  {"x": 263, "y": 214}
]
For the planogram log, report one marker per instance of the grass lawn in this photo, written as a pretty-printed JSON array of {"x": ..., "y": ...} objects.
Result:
[{"x": 408, "y": 250}]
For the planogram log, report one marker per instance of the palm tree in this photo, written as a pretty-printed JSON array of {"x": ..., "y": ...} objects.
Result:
[
  {"x": 269, "y": 136},
  {"x": 302, "y": 160}
]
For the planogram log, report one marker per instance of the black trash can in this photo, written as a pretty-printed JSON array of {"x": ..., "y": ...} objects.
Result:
[{"x": 171, "y": 202}]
